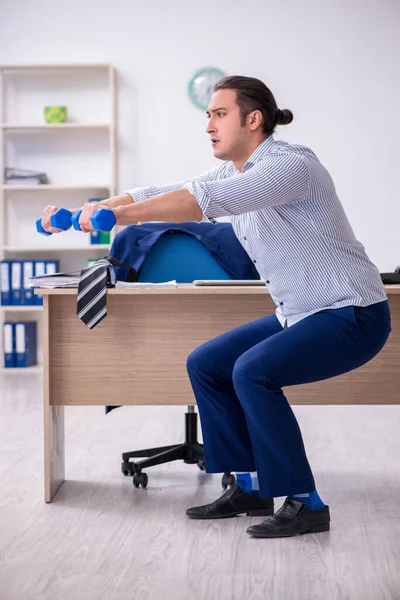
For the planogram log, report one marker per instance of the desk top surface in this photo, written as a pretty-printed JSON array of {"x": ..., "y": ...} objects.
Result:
[{"x": 183, "y": 288}]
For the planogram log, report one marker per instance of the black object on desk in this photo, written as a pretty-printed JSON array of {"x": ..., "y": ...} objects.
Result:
[{"x": 391, "y": 278}]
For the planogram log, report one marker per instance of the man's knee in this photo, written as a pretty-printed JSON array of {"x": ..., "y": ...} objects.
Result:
[
  {"x": 198, "y": 359},
  {"x": 241, "y": 370},
  {"x": 249, "y": 370}
]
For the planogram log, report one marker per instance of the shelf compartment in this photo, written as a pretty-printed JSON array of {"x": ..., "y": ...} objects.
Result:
[
  {"x": 49, "y": 126},
  {"x": 49, "y": 187},
  {"x": 36, "y": 369},
  {"x": 17, "y": 309}
]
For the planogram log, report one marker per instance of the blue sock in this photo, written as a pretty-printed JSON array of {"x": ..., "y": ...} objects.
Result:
[
  {"x": 310, "y": 500},
  {"x": 248, "y": 482}
]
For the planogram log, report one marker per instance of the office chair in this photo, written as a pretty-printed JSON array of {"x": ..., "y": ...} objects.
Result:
[{"x": 181, "y": 257}]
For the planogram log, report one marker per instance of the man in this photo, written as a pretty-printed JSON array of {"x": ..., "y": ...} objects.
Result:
[{"x": 332, "y": 312}]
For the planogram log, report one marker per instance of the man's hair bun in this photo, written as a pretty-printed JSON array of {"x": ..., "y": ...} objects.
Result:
[{"x": 284, "y": 117}]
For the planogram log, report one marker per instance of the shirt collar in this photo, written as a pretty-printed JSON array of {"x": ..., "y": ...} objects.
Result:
[{"x": 259, "y": 152}]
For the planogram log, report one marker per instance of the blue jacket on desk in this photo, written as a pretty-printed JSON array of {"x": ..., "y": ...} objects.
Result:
[{"x": 132, "y": 245}]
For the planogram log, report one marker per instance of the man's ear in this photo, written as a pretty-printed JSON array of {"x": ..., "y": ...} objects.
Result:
[{"x": 254, "y": 119}]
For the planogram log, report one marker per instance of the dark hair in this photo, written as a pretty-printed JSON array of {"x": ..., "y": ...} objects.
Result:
[{"x": 253, "y": 94}]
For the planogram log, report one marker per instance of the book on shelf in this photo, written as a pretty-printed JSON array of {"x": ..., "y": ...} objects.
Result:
[
  {"x": 15, "y": 176},
  {"x": 15, "y": 279},
  {"x": 19, "y": 341}
]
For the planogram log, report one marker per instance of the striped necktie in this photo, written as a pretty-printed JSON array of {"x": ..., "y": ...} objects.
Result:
[{"x": 92, "y": 293}]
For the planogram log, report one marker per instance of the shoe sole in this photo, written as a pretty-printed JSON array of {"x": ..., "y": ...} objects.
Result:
[
  {"x": 314, "y": 529},
  {"x": 267, "y": 512}
]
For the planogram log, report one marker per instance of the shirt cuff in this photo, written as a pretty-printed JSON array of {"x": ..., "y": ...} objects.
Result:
[
  {"x": 201, "y": 199},
  {"x": 138, "y": 194}
]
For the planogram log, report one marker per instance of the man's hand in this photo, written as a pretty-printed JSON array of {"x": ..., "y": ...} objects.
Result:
[
  {"x": 88, "y": 210},
  {"x": 46, "y": 223}
]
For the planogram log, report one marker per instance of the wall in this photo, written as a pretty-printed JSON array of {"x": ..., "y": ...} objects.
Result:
[{"x": 334, "y": 63}]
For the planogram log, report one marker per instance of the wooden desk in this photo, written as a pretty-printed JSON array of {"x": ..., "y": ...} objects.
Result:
[{"x": 137, "y": 355}]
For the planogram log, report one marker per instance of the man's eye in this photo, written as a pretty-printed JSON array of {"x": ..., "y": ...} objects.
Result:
[{"x": 220, "y": 114}]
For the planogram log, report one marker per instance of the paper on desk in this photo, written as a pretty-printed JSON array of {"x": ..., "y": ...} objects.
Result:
[
  {"x": 145, "y": 284},
  {"x": 71, "y": 280},
  {"x": 68, "y": 279}
]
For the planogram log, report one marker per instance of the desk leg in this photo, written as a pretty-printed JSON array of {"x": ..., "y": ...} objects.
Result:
[
  {"x": 54, "y": 450},
  {"x": 54, "y": 434}
]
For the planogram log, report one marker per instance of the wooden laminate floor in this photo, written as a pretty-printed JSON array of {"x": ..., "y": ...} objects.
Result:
[{"x": 101, "y": 539}]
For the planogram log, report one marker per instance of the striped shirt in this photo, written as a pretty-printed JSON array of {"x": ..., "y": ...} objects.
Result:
[{"x": 286, "y": 214}]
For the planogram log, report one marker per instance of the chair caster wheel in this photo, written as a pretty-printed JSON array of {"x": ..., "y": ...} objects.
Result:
[
  {"x": 228, "y": 479},
  {"x": 127, "y": 468},
  {"x": 140, "y": 479},
  {"x": 202, "y": 465}
]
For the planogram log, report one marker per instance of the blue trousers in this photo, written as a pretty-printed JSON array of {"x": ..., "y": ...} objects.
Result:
[{"x": 237, "y": 379}]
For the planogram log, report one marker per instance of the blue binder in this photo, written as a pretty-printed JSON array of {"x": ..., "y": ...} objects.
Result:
[
  {"x": 27, "y": 296},
  {"x": 9, "y": 345},
  {"x": 25, "y": 343},
  {"x": 39, "y": 269},
  {"x": 16, "y": 282},
  {"x": 95, "y": 237},
  {"x": 5, "y": 282},
  {"x": 51, "y": 267}
]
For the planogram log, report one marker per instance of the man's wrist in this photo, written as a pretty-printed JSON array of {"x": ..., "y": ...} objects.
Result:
[
  {"x": 114, "y": 201},
  {"x": 117, "y": 213},
  {"x": 124, "y": 216}
]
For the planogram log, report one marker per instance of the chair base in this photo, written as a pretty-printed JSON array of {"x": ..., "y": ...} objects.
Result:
[{"x": 190, "y": 451}]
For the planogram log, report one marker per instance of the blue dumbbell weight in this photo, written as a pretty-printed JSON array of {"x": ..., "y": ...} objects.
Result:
[
  {"x": 103, "y": 219},
  {"x": 40, "y": 229},
  {"x": 75, "y": 220},
  {"x": 60, "y": 220}
]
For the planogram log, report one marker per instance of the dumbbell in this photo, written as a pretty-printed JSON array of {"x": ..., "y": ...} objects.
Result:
[
  {"x": 60, "y": 220},
  {"x": 102, "y": 220}
]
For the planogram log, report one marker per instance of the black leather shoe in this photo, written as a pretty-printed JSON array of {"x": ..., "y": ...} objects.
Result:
[
  {"x": 292, "y": 519},
  {"x": 231, "y": 503}
]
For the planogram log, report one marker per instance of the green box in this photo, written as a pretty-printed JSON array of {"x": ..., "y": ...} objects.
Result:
[
  {"x": 55, "y": 114},
  {"x": 104, "y": 237}
]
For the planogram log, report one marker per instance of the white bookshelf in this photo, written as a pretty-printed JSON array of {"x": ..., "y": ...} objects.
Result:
[
  {"x": 53, "y": 126},
  {"x": 59, "y": 67},
  {"x": 48, "y": 187},
  {"x": 34, "y": 370},
  {"x": 21, "y": 309},
  {"x": 79, "y": 157}
]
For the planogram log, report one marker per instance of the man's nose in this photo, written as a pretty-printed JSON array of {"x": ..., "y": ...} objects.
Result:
[{"x": 210, "y": 126}]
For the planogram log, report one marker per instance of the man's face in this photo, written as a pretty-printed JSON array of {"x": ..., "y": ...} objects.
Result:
[{"x": 229, "y": 138}]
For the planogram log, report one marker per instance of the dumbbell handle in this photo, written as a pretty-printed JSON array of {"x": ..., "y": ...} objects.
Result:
[{"x": 75, "y": 220}]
